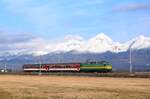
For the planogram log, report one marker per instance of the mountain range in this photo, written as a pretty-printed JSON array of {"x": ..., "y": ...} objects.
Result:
[
  {"x": 76, "y": 49},
  {"x": 99, "y": 44}
]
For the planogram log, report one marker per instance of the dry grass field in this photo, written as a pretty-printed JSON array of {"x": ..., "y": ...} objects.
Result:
[{"x": 72, "y": 87}]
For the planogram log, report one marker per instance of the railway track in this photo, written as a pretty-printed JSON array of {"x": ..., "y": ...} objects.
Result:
[{"x": 90, "y": 74}]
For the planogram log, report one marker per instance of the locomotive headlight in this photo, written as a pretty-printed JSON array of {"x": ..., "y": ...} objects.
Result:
[{"x": 109, "y": 67}]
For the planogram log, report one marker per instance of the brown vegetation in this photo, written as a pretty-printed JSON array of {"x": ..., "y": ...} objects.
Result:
[{"x": 73, "y": 87}]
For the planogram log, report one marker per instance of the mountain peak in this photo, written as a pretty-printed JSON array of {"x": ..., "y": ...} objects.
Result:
[
  {"x": 141, "y": 38},
  {"x": 140, "y": 42},
  {"x": 103, "y": 37}
]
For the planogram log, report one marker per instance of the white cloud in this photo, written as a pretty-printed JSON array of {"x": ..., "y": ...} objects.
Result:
[
  {"x": 20, "y": 42},
  {"x": 132, "y": 7}
]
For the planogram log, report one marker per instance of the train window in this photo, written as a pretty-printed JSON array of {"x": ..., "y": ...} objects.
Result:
[
  {"x": 66, "y": 66},
  {"x": 93, "y": 62}
]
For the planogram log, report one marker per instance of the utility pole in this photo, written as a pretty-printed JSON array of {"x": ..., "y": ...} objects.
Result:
[
  {"x": 5, "y": 64},
  {"x": 130, "y": 56},
  {"x": 131, "y": 68},
  {"x": 40, "y": 73}
]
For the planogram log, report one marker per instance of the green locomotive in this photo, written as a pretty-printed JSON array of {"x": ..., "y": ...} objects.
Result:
[{"x": 102, "y": 66}]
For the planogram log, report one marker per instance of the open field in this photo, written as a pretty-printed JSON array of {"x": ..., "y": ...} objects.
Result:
[{"x": 73, "y": 87}]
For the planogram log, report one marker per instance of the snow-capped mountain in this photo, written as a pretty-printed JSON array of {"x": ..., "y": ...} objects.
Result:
[
  {"x": 70, "y": 43},
  {"x": 98, "y": 44},
  {"x": 139, "y": 42},
  {"x": 102, "y": 43}
]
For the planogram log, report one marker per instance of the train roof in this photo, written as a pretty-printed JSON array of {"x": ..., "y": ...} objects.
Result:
[{"x": 52, "y": 63}]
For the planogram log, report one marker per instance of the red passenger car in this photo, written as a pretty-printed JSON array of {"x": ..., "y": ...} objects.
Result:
[{"x": 51, "y": 67}]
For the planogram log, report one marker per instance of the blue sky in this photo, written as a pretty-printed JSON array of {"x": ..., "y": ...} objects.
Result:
[{"x": 54, "y": 19}]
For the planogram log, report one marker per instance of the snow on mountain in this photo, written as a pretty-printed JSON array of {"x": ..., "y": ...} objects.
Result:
[
  {"x": 97, "y": 44},
  {"x": 100, "y": 43},
  {"x": 139, "y": 42},
  {"x": 70, "y": 43}
]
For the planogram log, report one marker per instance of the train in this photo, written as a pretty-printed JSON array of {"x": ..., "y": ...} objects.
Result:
[{"x": 102, "y": 66}]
